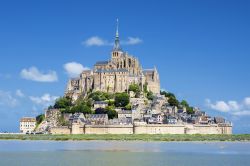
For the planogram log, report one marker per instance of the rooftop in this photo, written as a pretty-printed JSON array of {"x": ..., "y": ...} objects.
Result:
[
  {"x": 96, "y": 116},
  {"x": 111, "y": 70},
  {"x": 28, "y": 119},
  {"x": 102, "y": 62}
]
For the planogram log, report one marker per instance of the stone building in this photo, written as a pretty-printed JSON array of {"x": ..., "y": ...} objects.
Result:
[
  {"x": 114, "y": 75},
  {"x": 100, "y": 104},
  {"x": 27, "y": 124},
  {"x": 97, "y": 119}
]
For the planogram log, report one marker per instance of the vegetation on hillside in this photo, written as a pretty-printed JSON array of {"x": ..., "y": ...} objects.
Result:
[
  {"x": 64, "y": 104},
  {"x": 108, "y": 110},
  {"x": 120, "y": 100},
  {"x": 84, "y": 105},
  {"x": 136, "y": 89},
  {"x": 173, "y": 101},
  {"x": 100, "y": 96}
]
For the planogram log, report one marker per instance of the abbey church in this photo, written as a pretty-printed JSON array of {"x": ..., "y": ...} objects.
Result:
[{"x": 114, "y": 75}]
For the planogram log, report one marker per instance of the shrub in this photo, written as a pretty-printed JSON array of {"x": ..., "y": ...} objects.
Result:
[{"x": 121, "y": 99}]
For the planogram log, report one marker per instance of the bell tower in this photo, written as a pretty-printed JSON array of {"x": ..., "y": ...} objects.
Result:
[{"x": 117, "y": 50}]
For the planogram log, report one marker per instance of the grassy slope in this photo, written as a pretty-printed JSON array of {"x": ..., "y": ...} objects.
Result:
[{"x": 142, "y": 137}]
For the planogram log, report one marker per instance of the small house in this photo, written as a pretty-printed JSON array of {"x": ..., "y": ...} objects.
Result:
[{"x": 100, "y": 104}]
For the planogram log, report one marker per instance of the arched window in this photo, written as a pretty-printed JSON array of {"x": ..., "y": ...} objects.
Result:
[{"x": 129, "y": 62}]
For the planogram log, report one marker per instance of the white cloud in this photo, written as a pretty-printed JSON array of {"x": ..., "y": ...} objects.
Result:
[
  {"x": 132, "y": 41},
  {"x": 95, "y": 41},
  {"x": 219, "y": 105},
  {"x": 44, "y": 100},
  {"x": 242, "y": 113},
  {"x": 35, "y": 75},
  {"x": 98, "y": 41},
  {"x": 19, "y": 93},
  {"x": 247, "y": 101},
  {"x": 73, "y": 69},
  {"x": 231, "y": 107},
  {"x": 6, "y": 99}
]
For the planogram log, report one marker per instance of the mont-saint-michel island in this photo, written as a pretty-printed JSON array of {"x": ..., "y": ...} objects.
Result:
[
  {"x": 125, "y": 82},
  {"x": 119, "y": 96}
]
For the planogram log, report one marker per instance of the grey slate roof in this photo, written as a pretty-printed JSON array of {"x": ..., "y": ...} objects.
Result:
[
  {"x": 125, "y": 112},
  {"x": 111, "y": 70},
  {"x": 97, "y": 116},
  {"x": 102, "y": 63},
  {"x": 148, "y": 71}
]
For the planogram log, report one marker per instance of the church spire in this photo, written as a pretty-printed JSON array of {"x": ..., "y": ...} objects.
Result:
[
  {"x": 117, "y": 26},
  {"x": 117, "y": 40}
]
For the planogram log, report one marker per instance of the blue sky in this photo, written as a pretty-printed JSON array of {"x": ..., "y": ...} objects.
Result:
[{"x": 201, "y": 49}]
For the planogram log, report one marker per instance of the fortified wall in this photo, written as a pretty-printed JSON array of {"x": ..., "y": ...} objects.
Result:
[{"x": 143, "y": 129}]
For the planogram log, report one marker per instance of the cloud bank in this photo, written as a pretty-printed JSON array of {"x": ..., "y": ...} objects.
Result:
[
  {"x": 19, "y": 93},
  {"x": 232, "y": 107},
  {"x": 6, "y": 99},
  {"x": 34, "y": 74},
  {"x": 132, "y": 41},
  {"x": 73, "y": 69},
  {"x": 44, "y": 100},
  {"x": 95, "y": 41},
  {"x": 98, "y": 41}
]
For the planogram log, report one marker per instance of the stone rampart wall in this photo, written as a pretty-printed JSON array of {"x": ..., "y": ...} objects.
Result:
[
  {"x": 109, "y": 129},
  {"x": 159, "y": 129},
  {"x": 60, "y": 130},
  {"x": 143, "y": 129}
]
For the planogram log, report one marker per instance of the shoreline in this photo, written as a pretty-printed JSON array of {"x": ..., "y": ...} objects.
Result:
[{"x": 134, "y": 137}]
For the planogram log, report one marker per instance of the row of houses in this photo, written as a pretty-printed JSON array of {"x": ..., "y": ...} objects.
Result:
[
  {"x": 93, "y": 119},
  {"x": 143, "y": 111}
]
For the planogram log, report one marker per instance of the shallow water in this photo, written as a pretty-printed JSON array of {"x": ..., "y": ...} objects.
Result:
[{"x": 121, "y": 153}]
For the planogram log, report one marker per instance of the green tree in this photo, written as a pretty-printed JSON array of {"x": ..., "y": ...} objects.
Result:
[
  {"x": 171, "y": 98},
  {"x": 150, "y": 95},
  {"x": 109, "y": 96},
  {"x": 145, "y": 88},
  {"x": 111, "y": 112},
  {"x": 63, "y": 102},
  {"x": 190, "y": 110},
  {"x": 108, "y": 110},
  {"x": 101, "y": 96},
  {"x": 100, "y": 111},
  {"x": 184, "y": 103},
  {"x": 111, "y": 103},
  {"x": 50, "y": 107},
  {"x": 173, "y": 101},
  {"x": 167, "y": 94},
  {"x": 81, "y": 107},
  {"x": 121, "y": 99},
  {"x": 128, "y": 107},
  {"x": 40, "y": 118},
  {"x": 135, "y": 88}
]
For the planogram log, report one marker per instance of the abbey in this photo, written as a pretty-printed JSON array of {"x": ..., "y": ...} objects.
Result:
[{"x": 114, "y": 75}]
